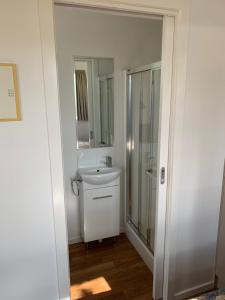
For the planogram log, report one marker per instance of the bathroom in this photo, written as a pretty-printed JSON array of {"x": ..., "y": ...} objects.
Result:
[{"x": 109, "y": 74}]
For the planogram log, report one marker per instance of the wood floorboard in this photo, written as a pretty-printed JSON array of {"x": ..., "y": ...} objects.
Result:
[{"x": 109, "y": 271}]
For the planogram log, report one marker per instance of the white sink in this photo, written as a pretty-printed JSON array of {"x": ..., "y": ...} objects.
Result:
[{"x": 99, "y": 176}]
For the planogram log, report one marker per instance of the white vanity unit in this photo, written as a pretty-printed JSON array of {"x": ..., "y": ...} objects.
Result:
[{"x": 99, "y": 195}]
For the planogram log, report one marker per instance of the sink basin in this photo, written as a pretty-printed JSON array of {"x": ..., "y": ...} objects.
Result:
[{"x": 99, "y": 176}]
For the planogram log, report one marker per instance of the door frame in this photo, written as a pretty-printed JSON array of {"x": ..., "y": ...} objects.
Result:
[{"x": 46, "y": 20}]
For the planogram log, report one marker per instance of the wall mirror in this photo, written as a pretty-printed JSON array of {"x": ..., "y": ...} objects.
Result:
[
  {"x": 94, "y": 101},
  {"x": 9, "y": 95}
]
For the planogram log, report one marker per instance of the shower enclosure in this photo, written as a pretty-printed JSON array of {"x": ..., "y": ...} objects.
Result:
[{"x": 142, "y": 136}]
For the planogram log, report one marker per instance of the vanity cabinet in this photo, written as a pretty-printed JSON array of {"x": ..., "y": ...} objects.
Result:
[{"x": 100, "y": 210}]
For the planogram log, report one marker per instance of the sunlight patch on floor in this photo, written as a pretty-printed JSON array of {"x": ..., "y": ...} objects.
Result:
[{"x": 91, "y": 287}]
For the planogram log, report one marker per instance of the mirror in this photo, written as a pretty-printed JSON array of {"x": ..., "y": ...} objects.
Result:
[
  {"x": 94, "y": 101},
  {"x": 9, "y": 96}
]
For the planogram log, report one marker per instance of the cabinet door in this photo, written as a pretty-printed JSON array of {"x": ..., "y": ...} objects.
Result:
[{"x": 101, "y": 213}]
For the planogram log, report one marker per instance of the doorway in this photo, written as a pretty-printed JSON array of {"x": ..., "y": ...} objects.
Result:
[{"x": 157, "y": 268}]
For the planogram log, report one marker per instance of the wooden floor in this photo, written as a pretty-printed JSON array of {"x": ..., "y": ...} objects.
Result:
[{"x": 110, "y": 271}]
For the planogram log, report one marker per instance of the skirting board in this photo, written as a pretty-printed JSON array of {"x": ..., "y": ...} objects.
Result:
[
  {"x": 143, "y": 251},
  {"x": 196, "y": 290}
]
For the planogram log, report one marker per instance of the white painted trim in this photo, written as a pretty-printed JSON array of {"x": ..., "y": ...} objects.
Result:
[
  {"x": 198, "y": 289},
  {"x": 45, "y": 9},
  {"x": 138, "y": 244},
  {"x": 118, "y": 5},
  {"x": 113, "y": 12}
]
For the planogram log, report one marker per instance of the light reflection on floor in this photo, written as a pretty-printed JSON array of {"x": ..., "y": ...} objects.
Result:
[{"x": 91, "y": 287}]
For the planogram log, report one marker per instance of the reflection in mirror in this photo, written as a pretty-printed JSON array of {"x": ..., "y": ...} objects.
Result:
[{"x": 94, "y": 95}]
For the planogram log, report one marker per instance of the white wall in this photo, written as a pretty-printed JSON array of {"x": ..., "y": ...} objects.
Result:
[
  {"x": 131, "y": 42},
  {"x": 27, "y": 241}
]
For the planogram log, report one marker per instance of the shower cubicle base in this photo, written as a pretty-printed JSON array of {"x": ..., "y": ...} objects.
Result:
[{"x": 141, "y": 248}]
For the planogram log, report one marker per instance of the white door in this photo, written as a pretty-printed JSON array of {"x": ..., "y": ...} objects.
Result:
[
  {"x": 160, "y": 271},
  {"x": 148, "y": 150}
]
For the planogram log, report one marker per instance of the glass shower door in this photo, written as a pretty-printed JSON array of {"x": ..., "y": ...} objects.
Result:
[{"x": 144, "y": 90}]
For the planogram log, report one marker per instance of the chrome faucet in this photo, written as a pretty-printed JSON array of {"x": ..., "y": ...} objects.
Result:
[{"x": 108, "y": 161}]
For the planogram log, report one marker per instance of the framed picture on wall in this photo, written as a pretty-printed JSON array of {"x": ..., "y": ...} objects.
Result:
[{"x": 9, "y": 93}]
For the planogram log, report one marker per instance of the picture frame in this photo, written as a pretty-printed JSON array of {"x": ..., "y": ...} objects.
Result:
[{"x": 9, "y": 93}]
